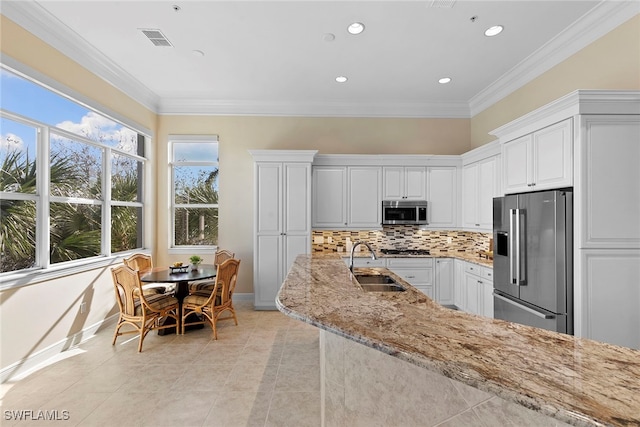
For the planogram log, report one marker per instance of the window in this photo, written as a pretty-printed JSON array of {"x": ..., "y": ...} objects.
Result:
[
  {"x": 194, "y": 181},
  {"x": 70, "y": 181}
]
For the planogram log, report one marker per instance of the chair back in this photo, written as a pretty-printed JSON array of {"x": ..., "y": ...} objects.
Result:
[
  {"x": 128, "y": 289},
  {"x": 226, "y": 279},
  {"x": 222, "y": 255},
  {"x": 139, "y": 262}
]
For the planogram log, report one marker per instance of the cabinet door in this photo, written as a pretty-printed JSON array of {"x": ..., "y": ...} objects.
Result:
[
  {"x": 487, "y": 298},
  {"x": 414, "y": 183},
  {"x": 486, "y": 192},
  {"x": 294, "y": 245},
  {"x": 517, "y": 165},
  {"x": 473, "y": 286},
  {"x": 460, "y": 292},
  {"x": 329, "y": 197},
  {"x": 442, "y": 185},
  {"x": 269, "y": 198},
  {"x": 552, "y": 156},
  {"x": 444, "y": 281},
  {"x": 267, "y": 275},
  {"x": 297, "y": 199},
  {"x": 470, "y": 196},
  {"x": 393, "y": 185},
  {"x": 364, "y": 204}
]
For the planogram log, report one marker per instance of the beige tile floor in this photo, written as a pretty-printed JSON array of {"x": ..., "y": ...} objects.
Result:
[{"x": 263, "y": 372}]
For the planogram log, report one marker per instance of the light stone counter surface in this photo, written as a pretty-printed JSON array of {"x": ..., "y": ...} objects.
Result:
[
  {"x": 465, "y": 256},
  {"x": 578, "y": 381}
]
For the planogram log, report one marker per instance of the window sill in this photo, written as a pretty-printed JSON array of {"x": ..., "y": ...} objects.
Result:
[
  {"x": 191, "y": 250},
  {"x": 30, "y": 277}
]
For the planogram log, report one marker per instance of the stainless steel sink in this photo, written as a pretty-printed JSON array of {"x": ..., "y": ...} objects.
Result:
[{"x": 378, "y": 283}]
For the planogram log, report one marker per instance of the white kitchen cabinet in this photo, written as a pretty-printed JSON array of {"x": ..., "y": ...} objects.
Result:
[
  {"x": 478, "y": 286},
  {"x": 442, "y": 196},
  {"x": 329, "y": 197},
  {"x": 479, "y": 186},
  {"x": 417, "y": 271},
  {"x": 540, "y": 160},
  {"x": 347, "y": 197},
  {"x": 404, "y": 183},
  {"x": 444, "y": 275},
  {"x": 365, "y": 262},
  {"x": 364, "y": 201},
  {"x": 282, "y": 225},
  {"x": 460, "y": 294}
]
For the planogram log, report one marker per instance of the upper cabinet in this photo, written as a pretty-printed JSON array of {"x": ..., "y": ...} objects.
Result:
[
  {"x": 404, "y": 183},
  {"x": 347, "y": 197},
  {"x": 540, "y": 160},
  {"x": 480, "y": 184},
  {"x": 442, "y": 196}
]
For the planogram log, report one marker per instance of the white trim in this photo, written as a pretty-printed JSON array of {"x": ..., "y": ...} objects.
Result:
[
  {"x": 491, "y": 149},
  {"x": 386, "y": 160},
  {"x": 193, "y": 138},
  {"x": 600, "y": 20},
  {"x": 35, "y": 361},
  {"x": 306, "y": 156},
  {"x": 38, "y": 21}
]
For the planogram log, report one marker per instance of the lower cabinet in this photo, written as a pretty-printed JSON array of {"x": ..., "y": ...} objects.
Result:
[
  {"x": 444, "y": 275},
  {"x": 478, "y": 289},
  {"x": 417, "y": 271},
  {"x": 459, "y": 292}
]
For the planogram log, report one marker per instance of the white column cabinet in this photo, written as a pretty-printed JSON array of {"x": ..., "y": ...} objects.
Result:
[
  {"x": 442, "y": 191},
  {"x": 404, "y": 183},
  {"x": 540, "y": 160},
  {"x": 444, "y": 275},
  {"x": 282, "y": 230}
]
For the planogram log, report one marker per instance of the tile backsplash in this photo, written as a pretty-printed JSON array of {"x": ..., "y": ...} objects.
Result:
[{"x": 404, "y": 237}]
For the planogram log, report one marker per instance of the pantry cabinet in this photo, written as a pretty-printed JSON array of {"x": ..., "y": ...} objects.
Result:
[
  {"x": 540, "y": 160},
  {"x": 404, "y": 183},
  {"x": 282, "y": 218}
]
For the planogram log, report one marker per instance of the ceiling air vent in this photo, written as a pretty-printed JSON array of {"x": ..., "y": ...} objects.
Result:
[
  {"x": 156, "y": 37},
  {"x": 443, "y": 3}
]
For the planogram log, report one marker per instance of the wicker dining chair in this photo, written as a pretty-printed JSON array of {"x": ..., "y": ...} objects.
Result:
[
  {"x": 207, "y": 284},
  {"x": 210, "y": 305},
  {"x": 141, "y": 311},
  {"x": 144, "y": 263}
]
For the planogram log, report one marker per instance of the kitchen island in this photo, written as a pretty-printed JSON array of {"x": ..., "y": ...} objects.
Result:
[{"x": 399, "y": 335}]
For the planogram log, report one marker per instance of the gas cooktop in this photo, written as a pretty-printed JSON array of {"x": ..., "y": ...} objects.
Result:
[{"x": 405, "y": 251}]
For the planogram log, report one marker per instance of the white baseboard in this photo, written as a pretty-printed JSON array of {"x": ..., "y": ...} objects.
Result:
[{"x": 37, "y": 360}]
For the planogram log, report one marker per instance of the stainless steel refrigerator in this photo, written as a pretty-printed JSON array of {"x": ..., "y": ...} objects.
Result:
[{"x": 533, "y": 259}]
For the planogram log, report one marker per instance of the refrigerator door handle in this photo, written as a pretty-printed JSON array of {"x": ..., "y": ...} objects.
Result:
[
  {"x": 525, "y": 308},
  {"x": 512, "y": 254},
  {"x": 519, "y": 279}
]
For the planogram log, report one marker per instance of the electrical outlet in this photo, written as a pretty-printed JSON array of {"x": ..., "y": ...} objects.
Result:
[
  {"x": 83, "y": 307},
  {"x": 449, "y": 240}
]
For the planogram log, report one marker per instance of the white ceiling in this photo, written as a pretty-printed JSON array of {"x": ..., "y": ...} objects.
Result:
[{"x": 271, "y": 57}]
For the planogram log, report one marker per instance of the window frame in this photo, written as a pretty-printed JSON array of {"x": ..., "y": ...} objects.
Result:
[
  {"x": 177, "y": 139},
  {"x": 44, "y": 270}
]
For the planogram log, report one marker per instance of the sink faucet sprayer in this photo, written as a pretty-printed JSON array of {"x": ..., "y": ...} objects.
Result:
[{"x": 353, "y": 249}]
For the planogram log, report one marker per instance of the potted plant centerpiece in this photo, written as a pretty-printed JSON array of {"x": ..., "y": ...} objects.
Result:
[{"x": 195, "y": 261}]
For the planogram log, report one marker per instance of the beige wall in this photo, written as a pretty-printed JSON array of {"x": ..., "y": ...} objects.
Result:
[
  {"x": 611, "y": 62},
  {"x": 328, "y": 135}
]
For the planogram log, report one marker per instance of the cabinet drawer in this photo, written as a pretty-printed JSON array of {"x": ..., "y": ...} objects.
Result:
[
  {"x": 410, "y": 262},
  {"x": 487, "y": 273},
  {"x": 422, "y": 276},
  {"x": 473, "y": 269},
  {"x": 366, "y": 262},
  {"x": 427, "y": 290}
]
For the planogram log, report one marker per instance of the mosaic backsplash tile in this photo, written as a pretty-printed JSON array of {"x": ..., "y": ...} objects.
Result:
[{"x": 402, "y": 237}]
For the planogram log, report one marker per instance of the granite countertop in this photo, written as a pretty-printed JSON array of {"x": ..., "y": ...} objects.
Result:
[{"x": 578, "y": 381}]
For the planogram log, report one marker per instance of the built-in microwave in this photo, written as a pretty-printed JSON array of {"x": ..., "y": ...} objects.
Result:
[{"x": 404, "y": 212}]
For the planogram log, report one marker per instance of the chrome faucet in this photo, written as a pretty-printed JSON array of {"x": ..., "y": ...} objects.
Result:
[{"x": 353, "y": 249}]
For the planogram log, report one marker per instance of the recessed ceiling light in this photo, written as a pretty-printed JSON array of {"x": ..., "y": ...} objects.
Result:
[
  {"x": 355, "y": 28},
  {"x": 328, "y": 37},
  {"x": 197, "y": 52},
  {"x": 494, "y": 31},
  {"x": 444, "y": 80},
  {"x": 341, "y": 79}
]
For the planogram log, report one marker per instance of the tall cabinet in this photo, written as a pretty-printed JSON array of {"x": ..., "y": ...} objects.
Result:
[
  {"x": 282, "y": 218},
  {"x": 589, "y": 140}
]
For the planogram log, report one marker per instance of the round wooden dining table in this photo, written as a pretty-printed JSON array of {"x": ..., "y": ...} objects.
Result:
[{"x": 181, "y": 279}]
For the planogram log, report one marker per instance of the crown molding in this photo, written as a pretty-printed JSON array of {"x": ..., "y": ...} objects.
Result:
[
  {"x": 314, "y": 109},
  {"x": 603, "y": 18},
  {"x": 39, "y": 22}
]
